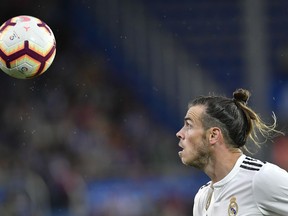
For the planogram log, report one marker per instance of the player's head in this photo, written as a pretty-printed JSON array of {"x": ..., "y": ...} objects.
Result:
[
  {"x": 218, "y": 119},
  {"x": 236, "y": 120}
]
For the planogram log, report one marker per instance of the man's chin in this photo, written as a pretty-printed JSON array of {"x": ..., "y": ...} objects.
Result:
[{"x": 191, "y": 164}]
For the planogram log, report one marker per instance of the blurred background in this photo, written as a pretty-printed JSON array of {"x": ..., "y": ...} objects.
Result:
[{"x": 95, "y": 134}]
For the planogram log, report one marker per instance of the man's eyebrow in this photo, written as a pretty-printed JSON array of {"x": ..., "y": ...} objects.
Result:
[{"x": 187, "y": 119}]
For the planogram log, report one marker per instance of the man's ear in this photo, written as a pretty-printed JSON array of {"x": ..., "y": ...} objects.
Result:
[{"x": 214, "y": 135}]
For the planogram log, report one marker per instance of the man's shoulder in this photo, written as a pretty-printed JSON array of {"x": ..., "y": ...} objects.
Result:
[
  {"x": 271, "y": 173},
  {"x": 270, "y": 189},
  {"x": 252, "y": 164},
  {"x": 207, "y": 185},
  {"x": 261, "y": 170},
  {"x": 203, "y": 190},
  {"x": 200, "y": 197}
]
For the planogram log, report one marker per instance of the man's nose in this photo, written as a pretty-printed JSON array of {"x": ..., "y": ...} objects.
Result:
[{"x": 179, "y": 135}]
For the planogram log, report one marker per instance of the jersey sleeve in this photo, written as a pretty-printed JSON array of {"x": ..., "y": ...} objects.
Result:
[{"x": 270, "y": 188}]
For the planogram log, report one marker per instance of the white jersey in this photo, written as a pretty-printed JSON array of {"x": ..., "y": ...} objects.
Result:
[{"x": 252, "y": 188}]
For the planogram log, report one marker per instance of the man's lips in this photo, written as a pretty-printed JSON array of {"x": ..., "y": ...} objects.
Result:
[{"x": 181, "y": 151}]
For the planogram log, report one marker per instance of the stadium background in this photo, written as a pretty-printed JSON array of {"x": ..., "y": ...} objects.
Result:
[{"x": 95, "y": 134}]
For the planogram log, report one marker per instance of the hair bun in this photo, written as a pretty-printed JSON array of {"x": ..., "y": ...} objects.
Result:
[{"x": 241, "y": 95}]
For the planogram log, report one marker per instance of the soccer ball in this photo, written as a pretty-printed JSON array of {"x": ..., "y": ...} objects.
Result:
[{"x": 27, "y": 47}]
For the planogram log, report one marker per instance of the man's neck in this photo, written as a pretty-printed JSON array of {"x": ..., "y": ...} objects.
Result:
[{"x": 220, "y": 165}]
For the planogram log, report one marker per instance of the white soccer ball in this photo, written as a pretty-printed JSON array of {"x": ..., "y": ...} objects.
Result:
[{"x": 27, "y": 47}]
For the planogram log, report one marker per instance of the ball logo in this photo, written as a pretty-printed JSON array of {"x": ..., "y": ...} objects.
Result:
[
  {"x": 13, "y": 36},
  {"x": 24, "y": 19},
  {"x": 26, "y": 28},
  {"x": 24, "y": 69},
  {"x": 233, "y": 207}
]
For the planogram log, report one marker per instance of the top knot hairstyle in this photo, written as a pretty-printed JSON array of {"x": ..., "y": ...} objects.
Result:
[
  {"x": 237, "y": 121},
  {"x": 241, "y": 95}
]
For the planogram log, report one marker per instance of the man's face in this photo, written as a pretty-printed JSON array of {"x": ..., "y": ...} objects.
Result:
[{"x": 194, "y": 139}]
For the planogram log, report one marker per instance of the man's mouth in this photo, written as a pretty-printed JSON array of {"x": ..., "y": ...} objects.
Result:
[{"x": 181, "y": 150}]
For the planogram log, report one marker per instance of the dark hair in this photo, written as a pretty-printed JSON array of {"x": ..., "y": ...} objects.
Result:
[{"x": 237, "y": 121}]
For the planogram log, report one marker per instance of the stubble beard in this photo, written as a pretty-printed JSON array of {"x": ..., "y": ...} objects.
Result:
[{"x": 202, "y": 157}]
